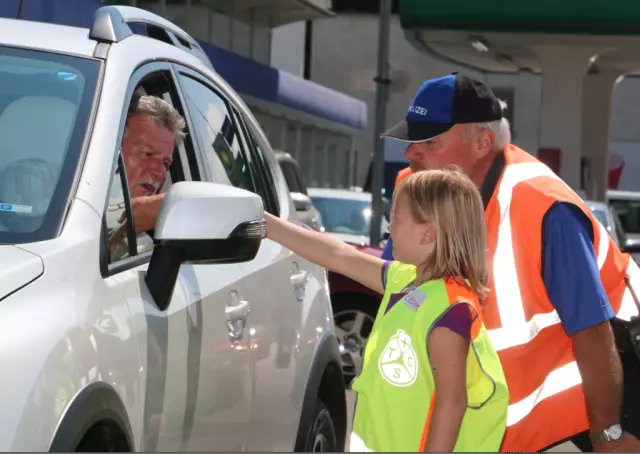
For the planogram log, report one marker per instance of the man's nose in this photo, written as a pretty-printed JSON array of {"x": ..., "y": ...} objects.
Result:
[
  {"x": 411, "y": 153},
  {"x": 158, "y": 170}
]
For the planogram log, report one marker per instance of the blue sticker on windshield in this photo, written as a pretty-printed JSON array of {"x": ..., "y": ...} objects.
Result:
[
  {"x": 16, "y": 208},
  {"x": 67, "y": 76}
]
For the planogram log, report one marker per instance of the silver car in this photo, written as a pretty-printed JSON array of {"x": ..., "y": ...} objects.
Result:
[{"x": 208, "y": 337}]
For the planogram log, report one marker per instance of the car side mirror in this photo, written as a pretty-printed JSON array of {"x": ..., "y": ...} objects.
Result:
[
  {"x": 301, "y": 201},
  {"x": 202, "y": 223}
]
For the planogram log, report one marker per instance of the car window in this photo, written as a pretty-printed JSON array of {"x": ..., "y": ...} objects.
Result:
[
  {"x": 346, "y": 216},
  {"x": 45, "y": 109},
  {"x": 217, "y": 134},
  {"x": 289, "y": 172},
  {"x": 262, "y": 180},
  {"x": 149, "y": 162},
  {"x": 272, "y": 204},
  {"x": 600, "y": 216},
  {"x": 628, "y": 212},
  {"x": 302, "y": 182}
]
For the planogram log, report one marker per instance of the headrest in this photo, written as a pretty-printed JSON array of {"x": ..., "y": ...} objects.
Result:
[{"x": 36, "y": 127}]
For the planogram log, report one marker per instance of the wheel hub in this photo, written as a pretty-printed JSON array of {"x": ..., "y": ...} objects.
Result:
[{"x": 352, "y": 330}]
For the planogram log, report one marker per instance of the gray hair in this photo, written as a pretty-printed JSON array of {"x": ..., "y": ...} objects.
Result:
[
  {"x": 500, "y": 128},
  {"x": 162, "y": 112}
]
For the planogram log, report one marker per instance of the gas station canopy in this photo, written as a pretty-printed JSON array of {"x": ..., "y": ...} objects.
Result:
[{"x": 614, "y": 17}]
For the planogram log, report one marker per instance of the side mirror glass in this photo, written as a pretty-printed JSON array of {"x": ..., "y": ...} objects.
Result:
[{"x": 202, "y": 223}]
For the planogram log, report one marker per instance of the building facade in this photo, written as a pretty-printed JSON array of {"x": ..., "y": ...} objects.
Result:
[{"x": 344, "y": 56}]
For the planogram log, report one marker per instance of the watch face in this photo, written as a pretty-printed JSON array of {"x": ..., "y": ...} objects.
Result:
[{"x": 615, "y": 432}]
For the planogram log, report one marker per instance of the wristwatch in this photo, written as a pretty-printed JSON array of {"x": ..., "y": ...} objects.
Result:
[{"x": 611, "y": 433}]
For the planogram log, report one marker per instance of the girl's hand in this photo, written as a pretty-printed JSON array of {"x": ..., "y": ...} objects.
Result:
[
  {"x": 448, "y": 356},
  {"x": 327, "y": 251}
]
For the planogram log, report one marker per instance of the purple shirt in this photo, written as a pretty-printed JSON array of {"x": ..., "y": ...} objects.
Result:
[{"x": 457, "y": 319}]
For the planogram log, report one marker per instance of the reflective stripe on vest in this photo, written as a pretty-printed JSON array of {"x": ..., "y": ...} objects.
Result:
[{"x": 515, "y": 330}]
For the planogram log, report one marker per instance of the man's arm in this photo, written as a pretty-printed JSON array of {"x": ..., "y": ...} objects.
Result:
[
  {"x": 145, "y": 212},
  {"x": 572, "y": 279}
]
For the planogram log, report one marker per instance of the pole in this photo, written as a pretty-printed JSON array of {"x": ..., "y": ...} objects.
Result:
[{"x": 382, "y": 89}]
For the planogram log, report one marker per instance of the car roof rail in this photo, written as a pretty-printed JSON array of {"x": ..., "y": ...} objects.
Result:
[{"x": 111, "y": 25}]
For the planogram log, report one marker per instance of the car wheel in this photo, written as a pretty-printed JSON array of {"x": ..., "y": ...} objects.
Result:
[
  {"x": 353, "y": 317},
  {"x": 322, "y": 435}
]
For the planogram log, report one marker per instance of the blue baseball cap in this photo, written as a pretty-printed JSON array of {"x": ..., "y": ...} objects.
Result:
[{"x": 442, "y": 103}]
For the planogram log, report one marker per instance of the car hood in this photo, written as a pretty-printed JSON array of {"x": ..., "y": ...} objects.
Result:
[{"x": 19, "y": 268}]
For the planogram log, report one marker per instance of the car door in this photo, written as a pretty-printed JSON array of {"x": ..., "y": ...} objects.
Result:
[
  {"x": 267, "y": 280},
  {"x": 296, "y": 309},
  {"x": 194, "y": 366}
]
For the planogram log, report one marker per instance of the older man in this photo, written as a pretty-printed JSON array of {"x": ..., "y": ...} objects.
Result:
[
  {"x": 153, "y": 128},
  {"x": 557, "y": 277}
]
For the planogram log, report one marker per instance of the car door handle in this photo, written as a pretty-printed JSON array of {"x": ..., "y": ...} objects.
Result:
[
  {"x": 299, "y": 279},
  {"x": 237, "y": 312}
]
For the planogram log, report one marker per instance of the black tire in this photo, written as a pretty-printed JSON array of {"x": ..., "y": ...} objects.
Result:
[
  {"x": 103, "y": 437},
  {"x": 322, "y": 434}
]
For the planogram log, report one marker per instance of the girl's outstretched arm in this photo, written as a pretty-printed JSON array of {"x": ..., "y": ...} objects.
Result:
[
  {"x": 448, "y": 356},
  {"x": 327, "y": 251}
]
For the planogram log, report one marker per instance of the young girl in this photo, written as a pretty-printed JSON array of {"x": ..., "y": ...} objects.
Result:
[{"x": 431, "y": 380}]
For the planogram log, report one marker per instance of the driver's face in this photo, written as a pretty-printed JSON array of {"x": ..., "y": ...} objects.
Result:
[{"x": 147, "y": 149}]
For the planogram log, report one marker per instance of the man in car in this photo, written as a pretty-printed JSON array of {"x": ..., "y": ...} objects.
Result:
[
  {"x": 153, "y": 128},
  {"x": 557, "y": 277}
]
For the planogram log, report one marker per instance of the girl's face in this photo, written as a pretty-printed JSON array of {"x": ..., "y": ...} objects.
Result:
[{"x": 413, "y": 241}]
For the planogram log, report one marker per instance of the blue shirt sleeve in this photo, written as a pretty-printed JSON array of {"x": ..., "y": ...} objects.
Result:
[
  {"x": 570, "y": 269},
  {"x": 387, "y": 252}
]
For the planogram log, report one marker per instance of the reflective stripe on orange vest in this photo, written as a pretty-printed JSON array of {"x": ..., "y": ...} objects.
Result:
[{"x": 535, "y": 351}]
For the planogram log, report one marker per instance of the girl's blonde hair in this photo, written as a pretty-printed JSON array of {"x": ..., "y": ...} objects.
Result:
[{"x": 452, "y": 203}]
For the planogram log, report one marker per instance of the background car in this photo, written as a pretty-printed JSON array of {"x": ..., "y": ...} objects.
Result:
[
  {"x": 346, "y": 214},
  {"x": 297, "y": 184},
  {"x": 604, "y": 213},
  {"x": 190, "y": 343}
]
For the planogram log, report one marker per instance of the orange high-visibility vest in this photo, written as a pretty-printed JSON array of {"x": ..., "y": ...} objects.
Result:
[
  {"x": 546, "y": 403},
  {"x": 404, "y": 173}
]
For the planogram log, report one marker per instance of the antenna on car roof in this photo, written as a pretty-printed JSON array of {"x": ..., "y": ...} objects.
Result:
[{"x": 20, "y": 9}]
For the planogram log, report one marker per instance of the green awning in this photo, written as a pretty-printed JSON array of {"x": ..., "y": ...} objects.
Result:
[{"x": 612, "y": 17}]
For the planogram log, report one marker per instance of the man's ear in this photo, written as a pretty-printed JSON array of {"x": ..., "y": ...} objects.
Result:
[{"x": 486, "y": 139}]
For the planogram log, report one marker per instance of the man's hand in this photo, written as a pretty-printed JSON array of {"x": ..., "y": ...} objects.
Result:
[
  {"x": 627, "y": 443},
  {"x": 145, "y": 212}
]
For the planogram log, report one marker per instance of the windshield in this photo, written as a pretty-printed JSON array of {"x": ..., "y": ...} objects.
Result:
[
  {"x": 628, "y": 212},
  {"x": 347, "y": 216},
  {"x": 45, "y": 104}
]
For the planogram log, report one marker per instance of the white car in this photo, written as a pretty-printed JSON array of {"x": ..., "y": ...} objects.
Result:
[
  {"x": 214, "y": 340},
  {"x": 294, "y": 177},
  {"x": 346, "y": 214}
]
